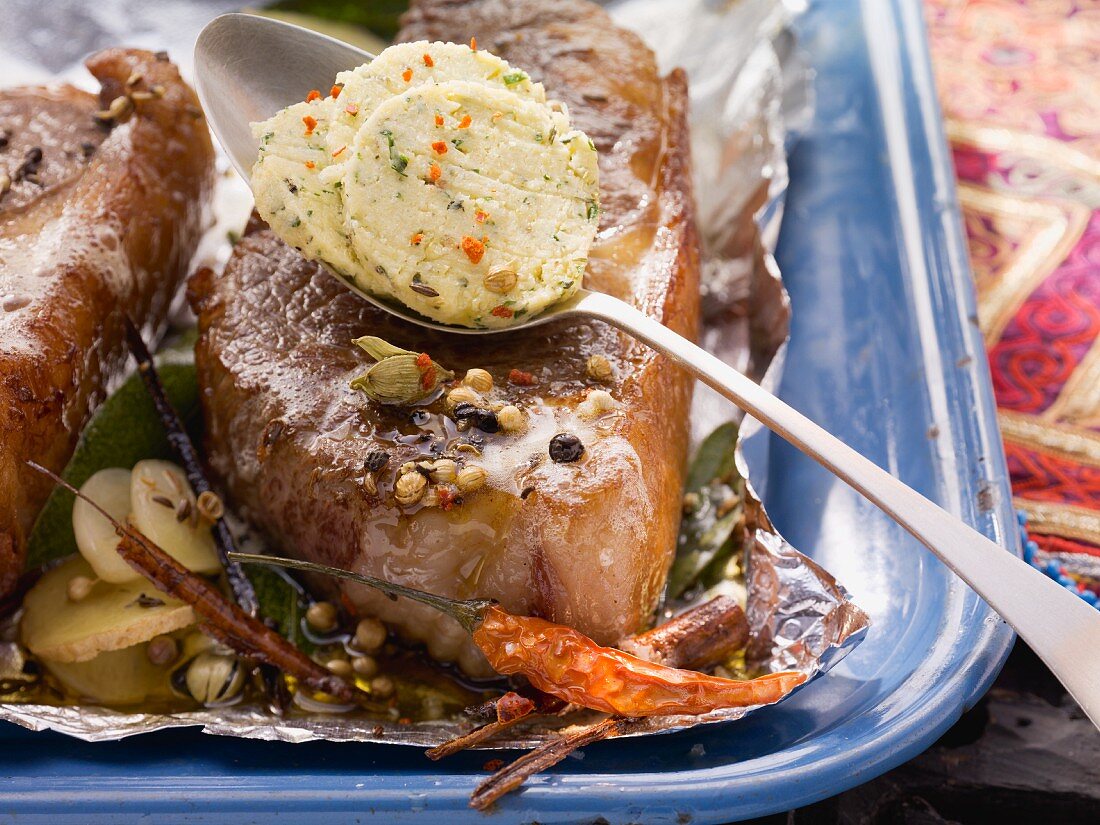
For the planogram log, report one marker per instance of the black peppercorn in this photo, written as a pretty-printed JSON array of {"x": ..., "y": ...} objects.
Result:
[
  {"x": 486, "y": 421},
  {"x": 565, "y": 448},
  {"x": 464, "y": 411},
  {"x": 376, "y": 460}
]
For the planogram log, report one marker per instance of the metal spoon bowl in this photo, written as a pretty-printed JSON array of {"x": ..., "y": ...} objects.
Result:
[{"x": 249, "y": 67}]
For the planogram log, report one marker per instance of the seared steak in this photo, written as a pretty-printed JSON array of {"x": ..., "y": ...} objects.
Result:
[
  {"x": 584, "y": 542},
  {"x": 96, "y": 220}
]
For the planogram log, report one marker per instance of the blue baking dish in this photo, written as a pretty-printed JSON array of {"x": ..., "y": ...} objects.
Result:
[{"x": 886, "y": 353}]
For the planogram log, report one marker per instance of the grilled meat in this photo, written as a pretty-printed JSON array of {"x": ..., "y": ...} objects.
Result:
[
  {"x": 97, "y": 219},
  {"x": 585, "y": 542}
]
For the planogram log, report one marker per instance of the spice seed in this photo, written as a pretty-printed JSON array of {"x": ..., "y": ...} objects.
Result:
[
  {"x": 322, "y": 617},
  {"x": 183, "y": 510},
  {"x": 471, "y": 478},
  {"x": 463, "y": 395},
  {"x": 565, "y": 448},
  {"x": 210, "y": 506},
  {"x": 365, "y": 666},
  {"x": 370, "y": 635},
  {"x": 162, "y": 650},
  {"x": 501, "y": 280},
  {"x": 164, "y": 501},
  {"x": 382, "y": 687},
  {"x": 511, "y": 419},
  {"x": 410, "y": 488},
  {"x": 424, "y": 289},
  {"x": 444, "y": 471},
  {"x": 341, "y": 667},
  {"x": 478, "y": 380},
  {"x": 599, "y": 369}
]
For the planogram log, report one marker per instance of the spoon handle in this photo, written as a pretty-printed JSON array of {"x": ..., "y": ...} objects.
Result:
[{"x": 1060, "y": 627}]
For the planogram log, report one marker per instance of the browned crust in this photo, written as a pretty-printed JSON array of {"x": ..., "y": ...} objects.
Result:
[{"x": 141, "y": 193}]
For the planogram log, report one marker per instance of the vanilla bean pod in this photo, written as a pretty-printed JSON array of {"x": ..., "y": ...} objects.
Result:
[{"x": 242, "y": 588}]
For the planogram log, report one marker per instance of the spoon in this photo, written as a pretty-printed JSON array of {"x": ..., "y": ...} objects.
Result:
[{"x": 247, "y": 68}]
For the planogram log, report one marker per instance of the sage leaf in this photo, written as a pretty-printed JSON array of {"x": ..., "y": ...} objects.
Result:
[{"x": 710, "y": 532}]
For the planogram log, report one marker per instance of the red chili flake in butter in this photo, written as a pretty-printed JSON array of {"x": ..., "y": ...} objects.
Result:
[{"x": 474, "y": 250}]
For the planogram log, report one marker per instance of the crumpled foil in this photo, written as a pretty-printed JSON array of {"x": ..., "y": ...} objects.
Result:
[{"x": 799, "y": 617}]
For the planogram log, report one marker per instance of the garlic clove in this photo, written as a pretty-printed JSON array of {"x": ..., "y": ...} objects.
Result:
[
  {"x": 95, "y": 536},
  {"x": 163, "y": 507}
]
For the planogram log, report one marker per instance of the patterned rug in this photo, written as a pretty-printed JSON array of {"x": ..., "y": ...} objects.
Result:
[{"x": 1019, "y": 82}]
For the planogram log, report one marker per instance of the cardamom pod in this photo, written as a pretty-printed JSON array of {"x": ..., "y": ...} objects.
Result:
[
  {"x": 398, "y": 380},
  {"x": 378, "y": 349},
  {"x": 397, "y": 377}
]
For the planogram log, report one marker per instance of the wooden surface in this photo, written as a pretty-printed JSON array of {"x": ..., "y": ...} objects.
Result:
[{"x": 1024, "y": 754}]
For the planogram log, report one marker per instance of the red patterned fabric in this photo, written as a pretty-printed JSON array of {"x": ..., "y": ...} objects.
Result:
[{"x": 1019, "y": 82}]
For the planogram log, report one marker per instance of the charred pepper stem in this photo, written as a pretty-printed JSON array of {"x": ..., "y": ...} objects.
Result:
[{"x": 466, "y": 613}]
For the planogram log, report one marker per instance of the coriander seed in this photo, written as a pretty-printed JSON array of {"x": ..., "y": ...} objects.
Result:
[
  {"x": 410, "y": 488},
  {"x": 510, "y": 418},
  {"x": 382, "y": 687},
  {"x": 341, "y": 667},
  {"x": 370, "y": 635},
  {"x": 478, "y": 380},
  {"x": 471, "y": 477},
  {"x": 322, "y": 617},
  {"x": 599, "y": 369}
]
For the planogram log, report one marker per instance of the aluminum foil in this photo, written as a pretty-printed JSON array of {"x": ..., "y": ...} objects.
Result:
[{"x": 800, "y": 618}]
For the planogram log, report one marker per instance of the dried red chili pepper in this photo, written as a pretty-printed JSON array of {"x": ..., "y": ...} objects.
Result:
[{"x": 565, "y": 663}]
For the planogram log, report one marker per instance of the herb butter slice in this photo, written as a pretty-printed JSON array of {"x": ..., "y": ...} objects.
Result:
[{"x": 438, "y": 176}]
